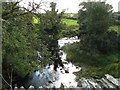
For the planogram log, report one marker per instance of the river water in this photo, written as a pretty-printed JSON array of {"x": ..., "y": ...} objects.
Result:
[{"x": 50, "y": 78}]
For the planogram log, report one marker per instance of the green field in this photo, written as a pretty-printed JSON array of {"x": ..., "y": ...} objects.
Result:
[
  {"x": 70, "y": 22},
  {"x": 115, "y": 28}
]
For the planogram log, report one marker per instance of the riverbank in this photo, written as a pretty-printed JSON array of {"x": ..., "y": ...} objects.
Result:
[{"x": 97, "y": 64}]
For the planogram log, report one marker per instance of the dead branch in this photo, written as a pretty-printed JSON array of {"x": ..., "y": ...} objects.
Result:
[
  {"x": 5, "y": 81},
  {"x": 34, "y": 7}
]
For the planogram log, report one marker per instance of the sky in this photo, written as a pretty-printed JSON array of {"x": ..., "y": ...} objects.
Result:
[{"x": 72, "y": 6}]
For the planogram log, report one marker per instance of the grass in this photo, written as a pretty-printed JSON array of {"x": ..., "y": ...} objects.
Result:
[
  {"x": 70, "y": 22},
  {"x": 73, "y": 15},
  {"x": 104, "y": 64},
  {"x": 118, "y": 14},
  {"x": 115, "y": 28},
  {"x": 95, "y": 65}
]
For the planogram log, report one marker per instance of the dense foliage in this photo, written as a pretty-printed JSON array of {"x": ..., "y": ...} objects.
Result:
[
  {"x": 98, "y": 49},
  {"x": 51, "y": 27},
  {"x": 94, "y": 20},
  {"x": 26, "y": 34},
  {"x": 23, "y": 38}
]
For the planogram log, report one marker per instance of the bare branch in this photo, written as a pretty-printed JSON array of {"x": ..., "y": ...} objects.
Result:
[
  {"x": 34, "y": 7},
  {"x": 5, "y": 81}
]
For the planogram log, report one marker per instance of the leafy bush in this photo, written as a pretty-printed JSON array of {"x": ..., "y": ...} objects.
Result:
[
  {"x": 108, "y": 43},
  {"x": 97, "y": 64}
]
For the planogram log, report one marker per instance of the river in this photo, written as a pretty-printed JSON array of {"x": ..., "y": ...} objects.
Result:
[{"x": 50, "y": 78}]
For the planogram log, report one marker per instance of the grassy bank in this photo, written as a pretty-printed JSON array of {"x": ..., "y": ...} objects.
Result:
[{"x": 97, "y": 64}]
